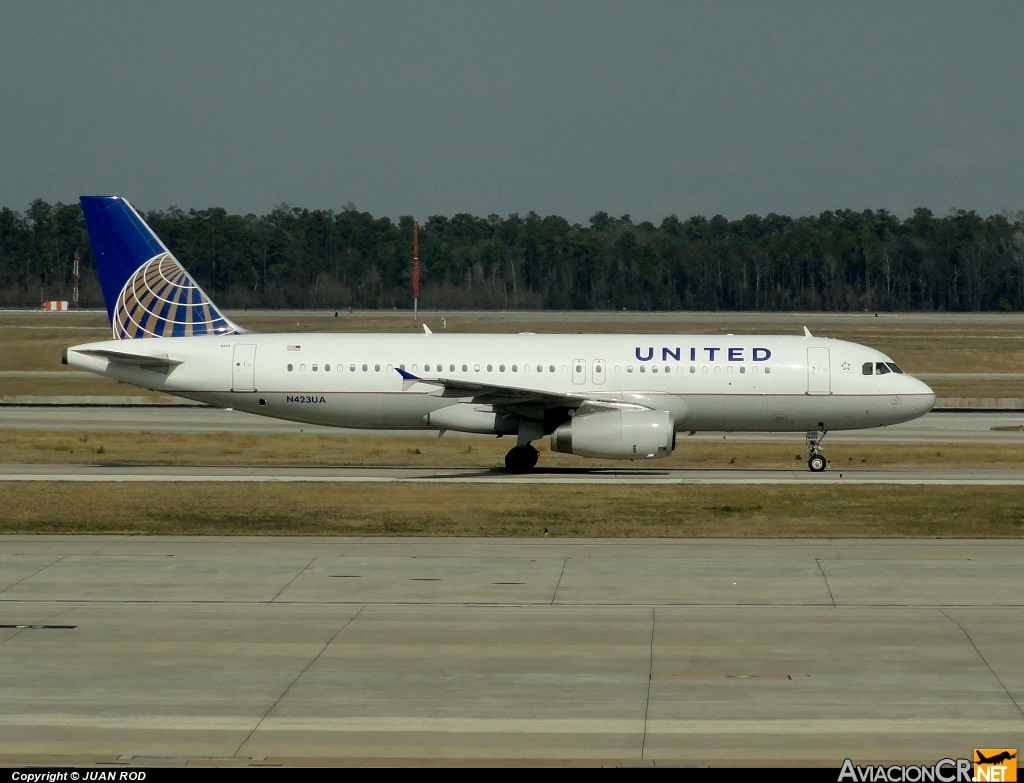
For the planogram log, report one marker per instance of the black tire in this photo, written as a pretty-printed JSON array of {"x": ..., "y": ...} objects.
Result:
[
  {"x": 521, "y": 459},
  {"x": 817, "y": 463}
]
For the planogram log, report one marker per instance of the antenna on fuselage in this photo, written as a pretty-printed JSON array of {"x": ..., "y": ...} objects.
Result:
[{"x": 807, "y": 332}]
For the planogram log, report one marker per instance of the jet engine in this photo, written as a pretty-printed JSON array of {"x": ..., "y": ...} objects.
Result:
[{"x": 619, "y": 434}]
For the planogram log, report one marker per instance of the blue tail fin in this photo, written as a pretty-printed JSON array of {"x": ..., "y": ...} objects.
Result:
[{"x": 147, "y": 292}]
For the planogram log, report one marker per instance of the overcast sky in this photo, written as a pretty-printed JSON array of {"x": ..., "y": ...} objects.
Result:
[{"x": 565, "y": 108}]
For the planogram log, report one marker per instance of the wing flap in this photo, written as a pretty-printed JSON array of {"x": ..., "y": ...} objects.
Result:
[{"x": 517, "y": 399}]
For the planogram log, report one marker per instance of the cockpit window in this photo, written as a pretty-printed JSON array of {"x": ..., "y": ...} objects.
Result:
[
  {"x": 868, "y": 368},
  {"x": 882, "y": 368},
  {"x": 895, "y": 368}
]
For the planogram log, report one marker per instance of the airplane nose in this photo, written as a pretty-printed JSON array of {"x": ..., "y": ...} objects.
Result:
[{"x": 923, "y": 397}]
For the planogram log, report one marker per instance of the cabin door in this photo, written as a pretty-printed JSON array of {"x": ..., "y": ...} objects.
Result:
[
  {"x": 243, "y": 368},
  {"x": 819, "y": 375}
]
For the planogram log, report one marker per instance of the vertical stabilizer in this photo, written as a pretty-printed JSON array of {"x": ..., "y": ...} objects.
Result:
[{"x": 147, "y": 292}]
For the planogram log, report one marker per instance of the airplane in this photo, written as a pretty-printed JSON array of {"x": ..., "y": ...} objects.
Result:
[
  {"x": 996, "y": 759},
  {"x": 607, "y": 396}
]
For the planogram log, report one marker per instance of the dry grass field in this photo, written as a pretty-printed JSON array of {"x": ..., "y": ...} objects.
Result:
[{"x": 585, "y": 511}]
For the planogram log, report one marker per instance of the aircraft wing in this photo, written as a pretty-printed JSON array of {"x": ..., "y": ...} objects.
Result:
[{"x": 517, "y": 399}]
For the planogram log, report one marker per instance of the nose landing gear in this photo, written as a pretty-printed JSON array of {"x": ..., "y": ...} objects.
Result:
[{"x": 816, "y": 461}]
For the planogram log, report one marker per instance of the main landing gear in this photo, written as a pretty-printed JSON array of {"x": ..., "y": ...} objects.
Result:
[
  {"x": 816, "y": 461},
  {"x": 521, "y": 459}
]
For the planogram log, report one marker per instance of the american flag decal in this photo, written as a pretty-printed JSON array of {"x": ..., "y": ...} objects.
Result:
[{"x": 294, "y": 347}]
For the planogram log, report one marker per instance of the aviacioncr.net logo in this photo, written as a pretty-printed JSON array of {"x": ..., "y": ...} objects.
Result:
[
  {"x": 943, "y": 771},
  {"x": 995, "y": 765}
]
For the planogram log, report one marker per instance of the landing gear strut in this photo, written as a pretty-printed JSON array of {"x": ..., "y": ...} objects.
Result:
[
  {"x": 816, "y": 461},
  {"x": 521, "y": 459}
]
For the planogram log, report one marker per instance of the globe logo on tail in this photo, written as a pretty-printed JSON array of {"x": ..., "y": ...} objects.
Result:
[{"x": 162, "y": 300}]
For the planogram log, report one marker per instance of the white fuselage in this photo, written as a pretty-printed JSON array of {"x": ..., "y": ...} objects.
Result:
[{"x": 707, "y": 382}]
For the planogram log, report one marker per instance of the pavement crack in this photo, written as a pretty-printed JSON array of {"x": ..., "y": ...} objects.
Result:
[
  {"x": 985, "y": 661},
  {"x": 650, "y": 681},
  {"x": 828, "y": 587},
  {"x": 60, "y": 559},
  {"x": 558, "y": 584},
  {"x": 292, "y": 580},
  {"x": 298, "y": 677}
]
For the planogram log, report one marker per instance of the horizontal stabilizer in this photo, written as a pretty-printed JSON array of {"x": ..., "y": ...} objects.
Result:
[{"x": 134, "y": 359}]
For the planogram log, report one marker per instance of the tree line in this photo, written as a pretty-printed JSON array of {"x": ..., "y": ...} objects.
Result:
[{"x": 300, "y": 258}]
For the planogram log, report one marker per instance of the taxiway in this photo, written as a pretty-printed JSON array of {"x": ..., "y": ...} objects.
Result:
[{"x": 216, "y": 651}]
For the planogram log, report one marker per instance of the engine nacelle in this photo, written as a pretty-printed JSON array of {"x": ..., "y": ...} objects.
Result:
[{"x": 622, "y": 434}]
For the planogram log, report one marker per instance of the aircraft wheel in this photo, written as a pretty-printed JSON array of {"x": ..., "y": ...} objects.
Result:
[
  {"x": 817, "y": 463},
  {"x": 521, "y": 459}
]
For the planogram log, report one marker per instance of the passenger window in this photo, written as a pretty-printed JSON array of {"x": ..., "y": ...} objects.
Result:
[
  {"x": 351, "y": 368},
  {"x": 743, "y": 370},
  {"x": 315, "y": 368},
  {"x": 365, "y": 367},
  {"x": 302, "y": 368},
  {"x": 376, "y": 368},
  {"x": 540, "y": 368},
  {"x": 451, "y": 368},
  {"x": 515, "y": 368},
  {"x": 465, "y": 368},
  {"x": 327, "y": 368},
  {"x": 881, "y": 369},
  {"x": 291, "y": 367},
  {"x": 490, "y": 368},
  {"x": 868, "y": 368},
  {"x": 767, "y": 370},
  {"x": 501, "y": 368},
  {"x": 692, "y": 369}
]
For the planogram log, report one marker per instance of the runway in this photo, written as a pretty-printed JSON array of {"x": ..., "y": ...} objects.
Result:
[
  {"x": 486, "y": 475},
  {"x": 935, "y": 427},
  {"x": 197, "y": 651}
]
